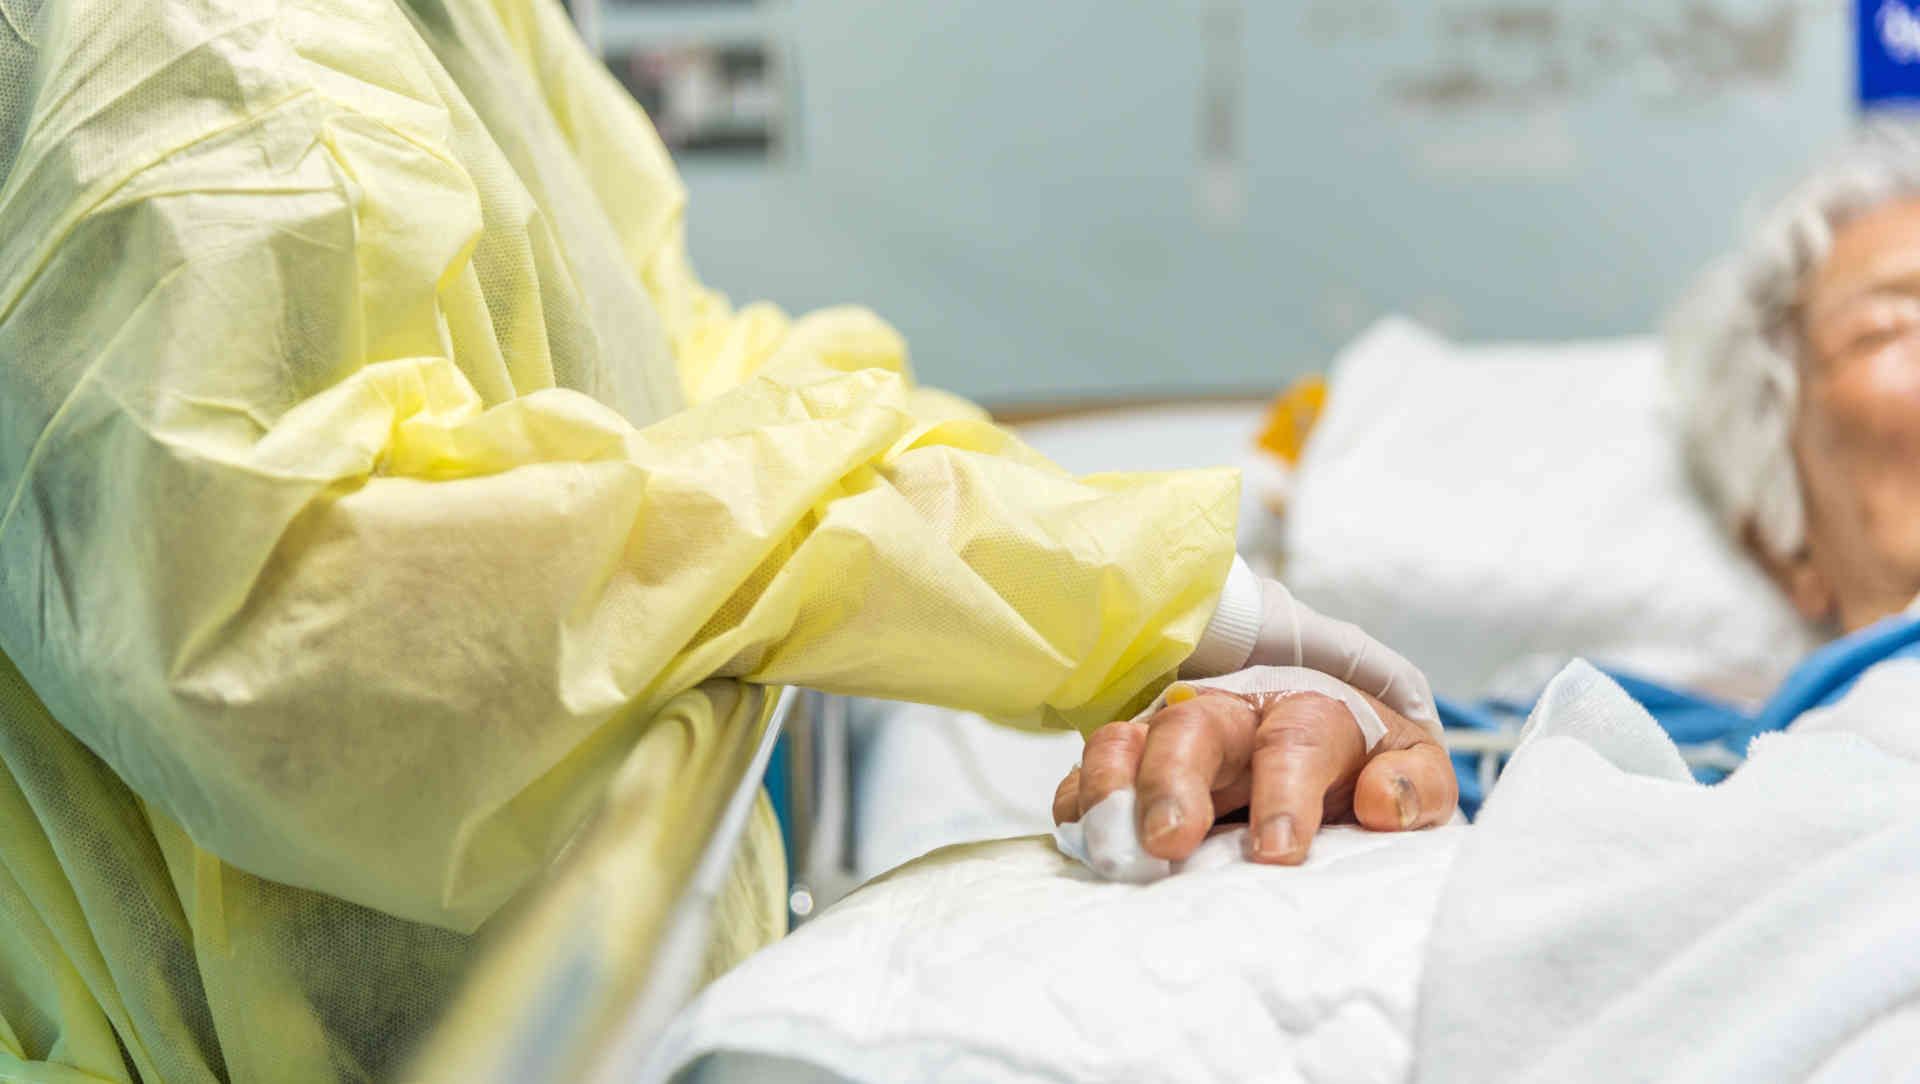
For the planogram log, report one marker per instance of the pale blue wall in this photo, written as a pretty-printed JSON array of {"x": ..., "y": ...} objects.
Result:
[{"x": 1012, "y": 182}]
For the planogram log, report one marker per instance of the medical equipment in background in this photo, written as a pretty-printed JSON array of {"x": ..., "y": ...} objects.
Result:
[{"x": 710, "y": 74}]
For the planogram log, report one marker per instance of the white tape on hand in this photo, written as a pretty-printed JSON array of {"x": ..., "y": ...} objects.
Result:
[{"x": 1278, "y": 681}]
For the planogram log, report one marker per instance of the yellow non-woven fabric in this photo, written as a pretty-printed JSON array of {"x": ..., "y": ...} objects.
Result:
[{"x": 373, "y": 468}]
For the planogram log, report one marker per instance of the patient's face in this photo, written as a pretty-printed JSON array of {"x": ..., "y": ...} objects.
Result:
[{"x": 1857, "y": 433}]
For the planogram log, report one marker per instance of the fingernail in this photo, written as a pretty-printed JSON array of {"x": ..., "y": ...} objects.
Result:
[
  {"x": 1407, "y": 799},
  {"x": 1275, "y": 837},
  {"x": 1179, "y": 694},
  {"x": 1163, "y": 818}
]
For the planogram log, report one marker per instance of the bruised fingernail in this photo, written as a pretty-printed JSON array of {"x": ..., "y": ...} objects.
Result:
[
  {"x": 1407, "y": 799},
  {"x": 1163, "y": 819},
  {"x": 1275, "y": 837}
]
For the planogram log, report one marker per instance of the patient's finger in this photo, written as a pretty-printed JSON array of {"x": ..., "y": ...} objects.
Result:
[
  {"x": 1406, "y": 788},
  {"x": 1109, "y": 762},
  {"x": 1066, "y": 798},
  {"x": 1192, "y": 748},
  {"x": 1307, "y": 747}
]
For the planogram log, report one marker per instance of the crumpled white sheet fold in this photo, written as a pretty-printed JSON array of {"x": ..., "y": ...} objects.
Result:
[
  {"x": 1612, "y": 920},
  {"x": 1607, "y": 919},
  {"x": 1004, "y": 961}
]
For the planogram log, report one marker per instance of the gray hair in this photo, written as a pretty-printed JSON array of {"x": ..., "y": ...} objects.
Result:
[{"x": 1734, "y": 340}]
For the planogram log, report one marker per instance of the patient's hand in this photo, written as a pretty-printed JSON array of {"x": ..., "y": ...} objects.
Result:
[{"x": 1292, "y": 760}]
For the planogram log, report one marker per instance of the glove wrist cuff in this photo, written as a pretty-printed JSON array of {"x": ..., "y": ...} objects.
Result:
[{"x": 1228, "y": 641}]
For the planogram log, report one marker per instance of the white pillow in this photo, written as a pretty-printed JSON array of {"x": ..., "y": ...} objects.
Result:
[
  {"x": 1006, "y": 962},
  {"x": 1490, "y": 511}
]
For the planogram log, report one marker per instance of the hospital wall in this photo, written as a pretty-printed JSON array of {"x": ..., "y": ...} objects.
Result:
[{"x": 1077, "y": 199}]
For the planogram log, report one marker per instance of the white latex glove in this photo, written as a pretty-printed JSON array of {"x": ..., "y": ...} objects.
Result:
[{"x": 1259, "y": 623}]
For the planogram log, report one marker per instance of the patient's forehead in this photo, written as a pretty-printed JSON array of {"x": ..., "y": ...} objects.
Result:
[{"x": 1874, "y": 253}]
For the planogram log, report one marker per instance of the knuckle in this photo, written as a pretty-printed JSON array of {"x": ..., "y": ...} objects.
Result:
[
  {"x": 1307, "y": 720},
  {"x": 1185, "y": 713},
  {"x": 1120, "y": 732},
  {"x": 1159, "y": 779},
  {"x": 1288, "y": 737},
  {"x": 1212, "y": 712},
  {"x": 1309, "y": 710},
  {"x": 1318, "y": 708}
]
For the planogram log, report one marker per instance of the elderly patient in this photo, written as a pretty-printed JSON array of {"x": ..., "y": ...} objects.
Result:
[
  {"x": 1797, "y": 364},
  {"x": 1799, "y": 367}
]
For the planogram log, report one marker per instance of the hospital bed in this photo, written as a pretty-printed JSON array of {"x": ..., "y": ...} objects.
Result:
[{"x": 1491, "y": 511}]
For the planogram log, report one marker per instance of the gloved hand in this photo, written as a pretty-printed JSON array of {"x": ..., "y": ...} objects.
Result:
[
  {"x": 1258, "y": 622},
  {"x": 1289, "y": 745}
]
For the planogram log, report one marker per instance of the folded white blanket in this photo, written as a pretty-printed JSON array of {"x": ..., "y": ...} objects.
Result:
[
  {"x": 1005, "y": 961},
  {"x": 1611, "y": 920},
  {"x": 1607, "y": 919}
]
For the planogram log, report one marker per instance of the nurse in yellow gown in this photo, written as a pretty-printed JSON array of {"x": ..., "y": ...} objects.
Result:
[{"x": 374, "y": 470}]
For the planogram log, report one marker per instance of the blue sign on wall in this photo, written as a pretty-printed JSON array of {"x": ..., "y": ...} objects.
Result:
[{"x": 1889, "y": 39}]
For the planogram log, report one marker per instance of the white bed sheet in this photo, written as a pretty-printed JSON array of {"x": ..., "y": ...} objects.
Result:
[
  {"x": 1003, "y": 961},
  {"x": 1610, "y": 919}
]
